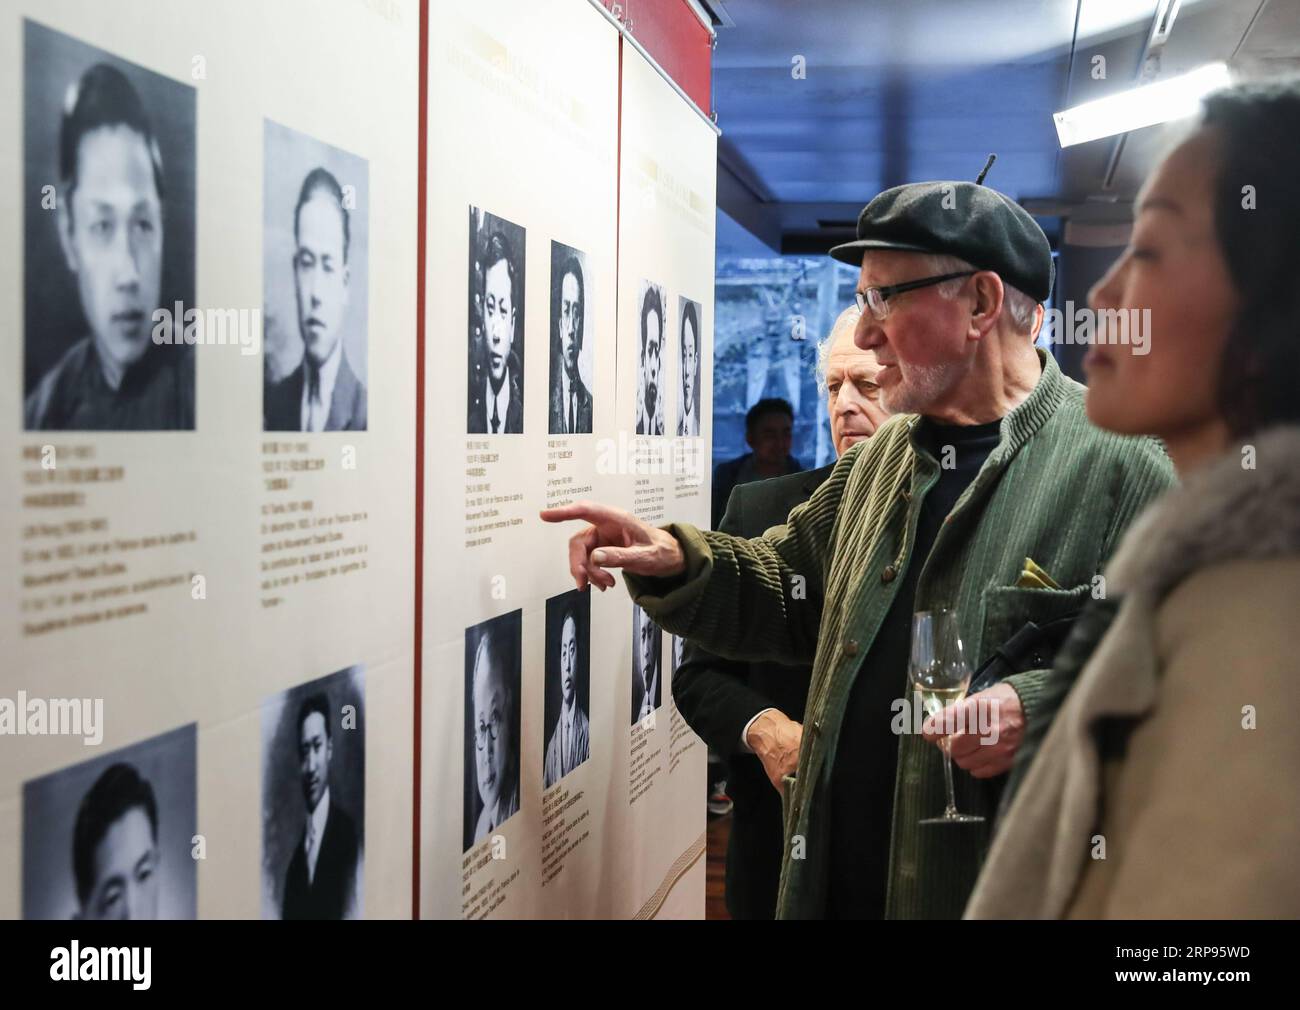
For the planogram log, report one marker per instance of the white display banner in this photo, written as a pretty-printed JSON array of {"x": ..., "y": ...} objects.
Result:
[
  {"x": 207, "y": 525},
  {"x": 665, "y": 355},
  {"x": 553, "y": 783}
]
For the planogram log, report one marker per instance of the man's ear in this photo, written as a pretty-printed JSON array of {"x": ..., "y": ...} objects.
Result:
[
  {"x": 63, "y": 223},
  {"x": 989, "y": 296}
]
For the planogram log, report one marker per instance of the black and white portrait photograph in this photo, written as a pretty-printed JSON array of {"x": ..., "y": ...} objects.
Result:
[
  {"x": 108, "y": 239},
  {"x": 315, "y": 248},
  {"x": 647, "y": 665},
  {"x": 650, "y": 363},
  {"x": 112, "y": 837},
  {"x": 568, "y": 685},
  {"x": 688, "y": 396},
  {"x": 314, "y": 799},
  {"x": 678, "y": 644},
  {"x": 572, "y": 357},
  {"x": 496, "y": 325},
  {"x": 493, "y": 672}
]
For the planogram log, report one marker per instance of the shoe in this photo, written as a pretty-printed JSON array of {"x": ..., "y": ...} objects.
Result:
[{"x": 719, "y": 802}]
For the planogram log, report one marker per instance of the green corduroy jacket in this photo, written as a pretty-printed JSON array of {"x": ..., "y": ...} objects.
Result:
[{"x": 1055, "y": 489}]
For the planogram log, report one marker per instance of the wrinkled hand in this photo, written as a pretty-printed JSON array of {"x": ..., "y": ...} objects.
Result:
[
  {"x": 774, "y": 737},
  {"x": 616, "y": 538},
  {"x": 992, "y": 724}
]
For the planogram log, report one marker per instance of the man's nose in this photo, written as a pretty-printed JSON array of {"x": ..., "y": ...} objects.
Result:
[
  {"x": 868, "y": 334},
  {"x": 127, "y": 269}
]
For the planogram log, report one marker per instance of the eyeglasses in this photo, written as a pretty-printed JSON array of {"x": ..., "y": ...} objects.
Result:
[
  {"x": 489, "y": 730},
  {"x": 877, "y": 299}
]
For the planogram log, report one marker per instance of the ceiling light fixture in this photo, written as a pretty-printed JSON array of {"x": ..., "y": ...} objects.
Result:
[{"x": 1147, "y": 105}]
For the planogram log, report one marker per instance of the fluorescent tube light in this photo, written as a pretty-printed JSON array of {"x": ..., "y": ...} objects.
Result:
[{"x": 1160, "y": 102}]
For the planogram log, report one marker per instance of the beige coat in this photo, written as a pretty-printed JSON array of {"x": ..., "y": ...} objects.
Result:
[{"x": 1200, "y": 817}]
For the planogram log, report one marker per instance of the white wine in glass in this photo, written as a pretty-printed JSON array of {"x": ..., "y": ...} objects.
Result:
[{"x": 940, "y": 674}]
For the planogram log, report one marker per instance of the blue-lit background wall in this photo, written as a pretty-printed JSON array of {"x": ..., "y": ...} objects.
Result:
[{"x": 769, "y": 315}]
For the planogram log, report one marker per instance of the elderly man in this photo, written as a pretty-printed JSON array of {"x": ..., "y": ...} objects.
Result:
[
  {"x": 751, "y": 713},
  {"x": 943, "y": 509},
  {"x": 496, "y": 760}
]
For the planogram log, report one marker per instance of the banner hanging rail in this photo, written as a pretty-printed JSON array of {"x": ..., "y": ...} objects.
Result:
[{"x": 622, "y": 30}]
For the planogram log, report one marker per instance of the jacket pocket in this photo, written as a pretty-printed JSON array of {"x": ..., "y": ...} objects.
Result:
[{"x": 1007, "y": 608}]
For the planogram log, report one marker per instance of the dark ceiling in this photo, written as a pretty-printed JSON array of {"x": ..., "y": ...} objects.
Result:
[{"x": 896, "y": 91}]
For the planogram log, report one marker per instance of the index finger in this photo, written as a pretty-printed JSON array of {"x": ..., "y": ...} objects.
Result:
[{"x": 592, "y": 512}]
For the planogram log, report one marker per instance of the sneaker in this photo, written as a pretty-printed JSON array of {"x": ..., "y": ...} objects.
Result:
[{"x": 719, "y": 802}]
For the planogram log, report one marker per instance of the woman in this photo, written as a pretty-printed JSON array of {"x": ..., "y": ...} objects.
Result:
[{"x": 1167, "y": 785}]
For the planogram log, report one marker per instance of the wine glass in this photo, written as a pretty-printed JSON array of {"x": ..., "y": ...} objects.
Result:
[{"x": 940, "y": 675}]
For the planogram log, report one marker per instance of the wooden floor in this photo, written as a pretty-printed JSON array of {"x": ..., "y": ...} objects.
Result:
[{"x": 715, "y": 902}]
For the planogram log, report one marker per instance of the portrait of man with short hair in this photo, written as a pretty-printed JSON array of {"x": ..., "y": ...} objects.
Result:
[
  {"x": 108, "y": 240},
  {"x": 314, "y": 247},
  {"x": 650, "y": 384},
  {"x": 571, "y": 349},
  {"x": 647, "y": 665},
  {"x": 493, "y": 672},
  {"x": 688, "y": 405},
  {"x": 496, "y": 329},
  {"x": 568, "y": 677},
  {"x": 314, "y": 799},
  {"x": 110, "y": 838}
]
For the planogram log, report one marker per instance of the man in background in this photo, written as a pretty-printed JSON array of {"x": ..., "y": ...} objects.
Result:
[
  {"x": 110, "y": 213},
  {"x": 319, "y": 883},
  {"x": 323, "y": 393},
  {"x": 751, "y": 714},
  {"x": 769, "y": 432},
  {"x": 115, "y": 857}
]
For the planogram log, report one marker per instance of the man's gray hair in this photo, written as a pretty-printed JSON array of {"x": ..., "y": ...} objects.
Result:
[
  {"x": 1019, "y": 306},
  {"x": 849, "y": 318}
]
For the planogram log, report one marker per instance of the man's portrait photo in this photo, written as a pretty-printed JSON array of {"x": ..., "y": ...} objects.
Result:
[
  {"x": 568, "y": 685},
  {"x": 110, "y": 838},
  {"x": 108, "y": 239},
  {"x": 314, "y": 800},
  {"x": 572, "y": 357},
  {"x": 650, "y": 376},
  {"x": 315, "y": 250},
  {"x": 493, "y": 672},
  {"x": 647, "y": 665},
  {"x": 688, "y": 404},
  {"x": 496, "y": 325}
]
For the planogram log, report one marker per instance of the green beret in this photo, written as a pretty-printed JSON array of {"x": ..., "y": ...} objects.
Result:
[{"x": 974, "y": 223}]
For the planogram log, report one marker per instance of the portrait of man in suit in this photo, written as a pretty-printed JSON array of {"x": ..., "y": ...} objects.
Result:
[
  {"x": 647, "y": 659},
  {"x": 568, "y": 669},
  {"x": 496, "y": 403},
  {"x": 649, "y": 400},
  {"x": 119, "y": 241},
  {"x": 320, "y": 878},
  {"x": 570, "y": 411},
  {"x": 688, "y": 409},
  {"x": 323, "y": 393},
  {"x": 494, "y": 696}
]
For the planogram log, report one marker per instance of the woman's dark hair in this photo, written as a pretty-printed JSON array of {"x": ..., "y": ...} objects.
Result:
[{"x": 1258, "y": 229}]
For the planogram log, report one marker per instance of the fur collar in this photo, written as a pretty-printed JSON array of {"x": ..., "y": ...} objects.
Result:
[{"x": 1222, "y": 512}]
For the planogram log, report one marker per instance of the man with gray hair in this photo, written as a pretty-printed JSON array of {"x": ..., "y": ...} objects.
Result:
[
  {"x": 999, "y": 501},
  {"x": 751, "y": 713}
]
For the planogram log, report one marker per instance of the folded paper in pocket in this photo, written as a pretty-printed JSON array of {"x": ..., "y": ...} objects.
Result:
[{"x": 1034, "y": 577}]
